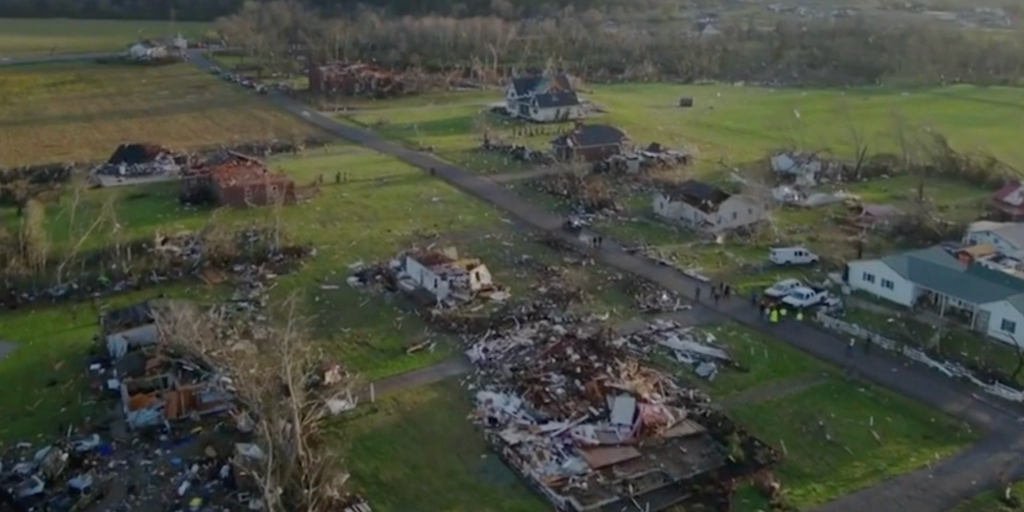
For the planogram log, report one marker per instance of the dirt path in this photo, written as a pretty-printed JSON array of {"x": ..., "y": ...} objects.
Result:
[{"x": 774, "y": 391}]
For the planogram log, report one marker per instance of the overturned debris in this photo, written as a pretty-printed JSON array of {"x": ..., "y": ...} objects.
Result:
[{"x": 593, "y": 429}]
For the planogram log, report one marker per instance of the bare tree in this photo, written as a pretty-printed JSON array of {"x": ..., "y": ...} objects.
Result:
[{"x": 857, "y": 142}]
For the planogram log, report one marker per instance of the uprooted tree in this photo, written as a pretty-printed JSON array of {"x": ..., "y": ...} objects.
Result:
[{"x": 285, "y": 389}]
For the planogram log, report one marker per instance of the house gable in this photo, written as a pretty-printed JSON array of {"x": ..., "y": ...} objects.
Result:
[{"x": 881, "y": 280}]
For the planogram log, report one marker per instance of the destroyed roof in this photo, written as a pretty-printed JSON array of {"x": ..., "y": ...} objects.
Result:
[
  {"x": 538, "y": 84},
  {"x": 241, "y": 169},
  {"x": 938, "y": 270},
  {"x": 131, "y": 316},
  {"x": 880, "y": 210},
  {"x": 137, "y": 153},
  {"x": 705, "y": 197},
  {"x": 591, "y": 135},
  {"x": 1010, "y": 194}
]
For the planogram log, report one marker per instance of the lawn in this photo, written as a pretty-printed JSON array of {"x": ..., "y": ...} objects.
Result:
[
  {"x": 956, "y": 344},
  {"x": 992, "y": 501},
  {"x": 28, "y": 37},
  {"x": 417, "y": 452},
  {"x": 81, "y": 112},
  {"x": 787, "y": 398},
  {"x": 827, "y": 435},
  {"x": 731, "y": 124}
]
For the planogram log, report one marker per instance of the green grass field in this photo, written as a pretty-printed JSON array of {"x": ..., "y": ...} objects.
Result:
[
  {"x": 32, "y": 37},
  {"x": 81, "y": 112},
  {"x": 733, "y": 125}
]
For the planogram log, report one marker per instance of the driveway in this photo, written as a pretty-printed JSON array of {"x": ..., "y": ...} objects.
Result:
[{"x": 932, "y": 489}]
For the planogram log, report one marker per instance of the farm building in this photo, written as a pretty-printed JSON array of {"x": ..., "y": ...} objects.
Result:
[
  {"x": 1009, "y": 201},
  {"x": 990, "y": 300},
  {"x": 239, "y": 182},
  {"x": 706, "y": 207},
  {"x": 354, "y": 80},
  {"x": 543, "y": 99},
  {"x": 590, "y": 143}
]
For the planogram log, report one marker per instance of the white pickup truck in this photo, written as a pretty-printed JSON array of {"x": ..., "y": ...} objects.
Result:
[
  {"x": 783, "y": 288},
  {"x": 805, "y": 297}
]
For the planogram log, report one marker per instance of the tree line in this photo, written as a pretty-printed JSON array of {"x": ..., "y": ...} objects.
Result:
[
  {"x": 846, "y": 51},
  {"x": 208, "y": 10}
]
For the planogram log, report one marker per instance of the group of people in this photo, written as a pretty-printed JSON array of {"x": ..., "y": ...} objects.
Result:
[
  {"x": 718, "y": 292},
  {"x": 773, "y": 312}
]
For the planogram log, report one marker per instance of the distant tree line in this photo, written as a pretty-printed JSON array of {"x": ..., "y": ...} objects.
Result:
[
  {"x": 847, "y": 51},
  {"x": 208, "y": 10}
]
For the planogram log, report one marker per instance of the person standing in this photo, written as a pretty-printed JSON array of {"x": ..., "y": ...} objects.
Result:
[
  {"x": 849, "y": 347},
  {"x": 773, "y": 316},
  {"x": 698, "y": 293},
  {"x": 867, "y": 344}
]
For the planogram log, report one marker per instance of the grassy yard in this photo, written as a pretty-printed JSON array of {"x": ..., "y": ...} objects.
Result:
[
  {"x": 956, "y": 344},
  {"x": 81, "y": 112},
  {"x": 30, "y": 37},
  {"x": 826, "y": 433},
  {"x": 992, "y": 501},
  {"x": 730, "y": 124},
  {"x": 417, "y": 452}
]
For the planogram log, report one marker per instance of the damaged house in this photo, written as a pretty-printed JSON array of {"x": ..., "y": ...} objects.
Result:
[
  {"x": 136, "y": 164},
  {"x": 240, "y": 181},
  {"x": 543, "y": 98},
  {"x": 155, "y": 388},
  {"x": 443, "y": 276},
  {"x": 594, "y": 430},
  {"x": 1008, "y": 201},
  {"x": 706, "y": 207},
  {"x": 354, "y": 79},
  {"x": 803, "y": 169},
  {"x": 590, "y": 143}
]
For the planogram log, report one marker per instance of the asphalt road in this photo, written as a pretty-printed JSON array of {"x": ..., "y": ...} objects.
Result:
[{"x": 935, "y": 488}]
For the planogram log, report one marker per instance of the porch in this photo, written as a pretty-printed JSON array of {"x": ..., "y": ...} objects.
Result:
[{"x": 931, "y": 302}]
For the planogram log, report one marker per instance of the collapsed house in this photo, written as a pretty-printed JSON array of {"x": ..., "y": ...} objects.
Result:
[
  {"x": 594, "y": 430},
  {"x": 354, "y": 79},
  {"x": 240, "y": 181},
  {"x": 443, "y": 276},
  {"x": 138, "y": 163},
  {"x": 156, "y": 388}
]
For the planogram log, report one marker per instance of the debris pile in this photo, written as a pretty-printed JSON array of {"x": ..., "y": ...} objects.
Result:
[
  {"x": 518, "y": 152},
  {"x": 587, "y": 194},
  {"x": 651, "y": 298},
  {"x": 593, "y": 429},
  {"x": 690, "y": 346},
  {"x": 355, "y": 79}
]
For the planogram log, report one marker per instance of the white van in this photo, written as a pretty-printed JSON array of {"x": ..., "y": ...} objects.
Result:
[{"x": 792, "y": 256}]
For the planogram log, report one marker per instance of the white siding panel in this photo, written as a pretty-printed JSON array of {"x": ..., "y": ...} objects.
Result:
[{"x": 903, "y": 293}]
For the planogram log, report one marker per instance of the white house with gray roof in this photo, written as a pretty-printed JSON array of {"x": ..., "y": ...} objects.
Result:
[
  {"x": 992, "y": 300},
  {"x": 1006, "y": 237},
  {"x": 544, "y": 98}
]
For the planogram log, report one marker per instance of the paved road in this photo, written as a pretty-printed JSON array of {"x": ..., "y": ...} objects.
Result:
[{"x": 929, "y": 490}]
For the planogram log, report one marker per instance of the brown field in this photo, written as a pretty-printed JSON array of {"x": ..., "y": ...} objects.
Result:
[{"x": 81, "y": 112}]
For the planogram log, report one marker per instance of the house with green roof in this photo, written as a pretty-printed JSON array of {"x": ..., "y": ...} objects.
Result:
[{"x": 989, "y": 300}]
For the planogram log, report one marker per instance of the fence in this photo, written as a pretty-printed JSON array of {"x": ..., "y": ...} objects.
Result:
[{"x": 950, "y": 369}]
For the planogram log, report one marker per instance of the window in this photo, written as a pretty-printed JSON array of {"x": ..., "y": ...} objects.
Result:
[
  {"x": 870, "y": 278},
  {"x": 750, "y": 211},
  {"x": 734, "y": 215},
  {"x": 887, "y": 284},
  {"x": 437, "y": 284},
  {"x": 1008, "y": 326}
]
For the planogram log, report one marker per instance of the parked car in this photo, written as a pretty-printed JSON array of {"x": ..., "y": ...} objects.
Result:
[
  {"x": 803, "y": 297},
  {"x": 792, "y": 256},
  {"x": 215, "y": 70},
  {"x": 782, "y": 288}
]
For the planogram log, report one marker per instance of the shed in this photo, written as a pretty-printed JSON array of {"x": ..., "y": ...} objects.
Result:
[{"x": 686, "y": 102}]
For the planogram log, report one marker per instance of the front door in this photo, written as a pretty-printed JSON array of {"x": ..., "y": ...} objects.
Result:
[{"x": 981, "y": 318}]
